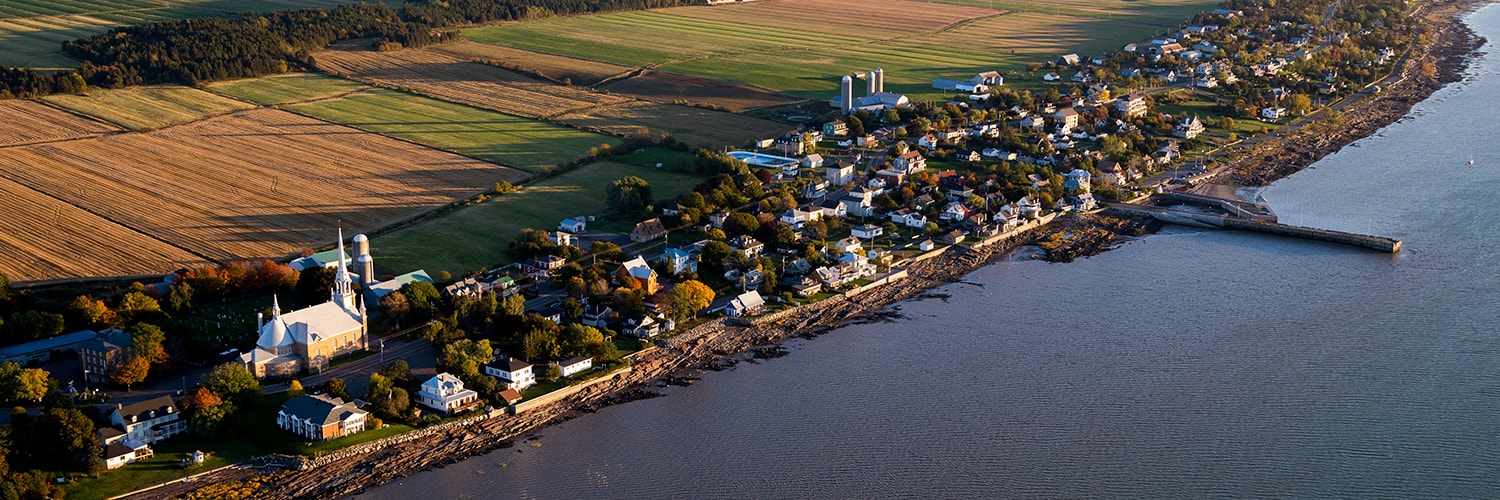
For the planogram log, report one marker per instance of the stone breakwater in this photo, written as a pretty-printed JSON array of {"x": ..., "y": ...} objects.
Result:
[{"x": 713, "y": 345}]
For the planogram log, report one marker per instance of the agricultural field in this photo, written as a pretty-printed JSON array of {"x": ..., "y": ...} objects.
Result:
[
  {"x": 695, "y": 126},
  {"x": 255, "y": 184},
  {"x": 476, "y": 237},
  {"x": 47, "y": 239},
  {"x": 497, "y": 137},
  {"x": 148, "y": 108},
  {"x": 669, "y": 88},
  {"x": 286, "y": 89},
  {"x": 580, "y": 72},
  {"x": 776, "y": 45},
  {"x": 32, "y": 31},
  {"x": 489, "y": 87},
  {"x": 29, "y": 122},
  {"x": 1165, "y": 12},
  {"x": 452, "y": 79}
]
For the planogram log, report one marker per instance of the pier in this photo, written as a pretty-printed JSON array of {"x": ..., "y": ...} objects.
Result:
[{"x": 1264, "y": 222}]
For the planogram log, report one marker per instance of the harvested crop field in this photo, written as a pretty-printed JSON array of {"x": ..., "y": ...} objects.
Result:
[
  {"x": 673, "y": 87},
  {"x": 255, "y": 184},
  {"x": 288, "y": 88},
  {"x": 48, "y": 239},
  {"x": 580, "y": 71},
  {"x": 452, "y": 79},
  {"x": 148, "y": 108},
  {"x": 1168, "y": 12},
  {"x": 29, "y": 122},
  {"x": 878, "y": 19},
  {"x": 694, "y": 126}
]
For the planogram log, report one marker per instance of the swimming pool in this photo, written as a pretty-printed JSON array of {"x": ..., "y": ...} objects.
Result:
[{"x": 763, "y": 160}]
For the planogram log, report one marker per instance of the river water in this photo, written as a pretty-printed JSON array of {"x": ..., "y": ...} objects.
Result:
[{"x": 1184, "y": 365}]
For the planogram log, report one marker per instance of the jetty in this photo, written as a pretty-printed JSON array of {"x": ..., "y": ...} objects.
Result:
[{"x": 1208, "y": 211}]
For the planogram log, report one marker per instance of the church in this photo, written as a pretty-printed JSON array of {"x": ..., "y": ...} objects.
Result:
[{"x": 306, "y": 340}]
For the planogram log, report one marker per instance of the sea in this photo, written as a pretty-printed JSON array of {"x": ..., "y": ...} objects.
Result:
[{"x": 1185, "y": 364}]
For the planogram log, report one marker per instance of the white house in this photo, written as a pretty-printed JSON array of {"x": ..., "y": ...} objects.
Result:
[
  {"x": 679, "y": 261},
  {"x": 908, "y": 218},
  {"x": 910, "y": 162},
  {"x": 848, "y": 245},
  {"x": 812, "y": 161},
  {"x": 574, "y": 225},
  {"x": 746, "y": 304},
  {"x": 648, "y": 326},
  {"x": 926, "y": 245},
  {"x": 867, "y": 231},
  {"x": 575, "y": 365},
  {"x": 1272, "y": 113},
  {"x": 516, "y": 374},
  {"x": 838, "y": 173},
  {"x": 148, "y": 422},
  {"x": 561, "y": 238},
  {"x": 955, "y": 211},
  {"x": 1188, "y": 128},
  {"x": 446, "y": 393}
]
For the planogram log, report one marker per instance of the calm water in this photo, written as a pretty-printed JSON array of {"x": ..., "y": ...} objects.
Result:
[{"x": 1190, "y": 364}]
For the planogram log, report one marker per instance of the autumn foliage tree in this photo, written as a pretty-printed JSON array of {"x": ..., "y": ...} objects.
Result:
[
  {"x": 689, "y": 297},
  {"x": 129, "y": 371}
]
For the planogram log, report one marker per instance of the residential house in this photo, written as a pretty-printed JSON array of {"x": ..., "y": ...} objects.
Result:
[
  {"x": 836, "y": 128},
  {"x": 1077, "y": 180},
  {"x": 832, "y": 207},
  {"x": 638, "y": 271},
  {"x": 574, "y": 225},
  {"x": 747, "y": 245},
  {"x": 909, "y": 218},
  {"x": 926, "y": 245},
  {"x": 1168, "y": 151},
  {"x": 117, "y": 454},
  {"x": 866, "y": 231},
  {"x": 953, "y": 237},
  {"x": 1038, "y": 182},
  {"x": 320, "y": 417},
  {"x": 575, "y": 365},
  {"x": 561, "y": 238},
  {"x": 679, "y": 261},
  {"x": 1030, "y": 207},
  {"x": 647, "y": 325},
  {"x": 1188, "y": 128},
  {"x": 954, "y": 212},
  {"x": 1066, "y": 118},
  {"x": 968, "y": 156},
  {"x": 889, "y": 178},
  {"x": 147, "y": 422},
  {"x": 990, "y": 78},
  {"x": 806, "y": 288},
  {"x": 648, "y": 230},
  {"x": 1272, "y": 113},
  {"x": 1033, "y": 122},
  {"x": 790, "y": 145},
  {"x": 1132, "y": 105},
  {"x": 860, "y": 201},
  {"x": 910, "y": 162},
  {"x": 838, "y": 172},
  {"x": 446, "y": 393},
  {"x": 848, "y": 245},
  {"x": 513, "y": 373},
  {"x": 797, "y": 218},
  {"x": 1112, "y": 173},
  {"x": 746, "y": 304},
  {"x": 812, "y": 161},
  {"x": 510, "y": 396},
  {"x": 597, "y": 316}
]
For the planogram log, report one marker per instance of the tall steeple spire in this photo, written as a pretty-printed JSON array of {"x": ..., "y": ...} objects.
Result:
[
  {"x": 275, "y": 307},
  {"x": 343, "y": 286}
]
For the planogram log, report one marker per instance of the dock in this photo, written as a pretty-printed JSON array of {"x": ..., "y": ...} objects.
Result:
[{"x": 1246, "y": 216}]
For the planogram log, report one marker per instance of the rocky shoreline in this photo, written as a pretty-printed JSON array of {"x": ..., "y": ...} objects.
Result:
[{"x": 1438, "y": 60}]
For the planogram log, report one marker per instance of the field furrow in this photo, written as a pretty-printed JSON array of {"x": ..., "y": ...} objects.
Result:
[{"x": 28, "y": 122}]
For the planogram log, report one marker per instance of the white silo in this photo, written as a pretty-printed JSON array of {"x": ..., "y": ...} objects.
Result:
[
  {"x": 846, "y": 92},
  {"x": 878, "y": 82},
  {"x": 870, "y": 83},
  {"x": 363, "y": 261}
]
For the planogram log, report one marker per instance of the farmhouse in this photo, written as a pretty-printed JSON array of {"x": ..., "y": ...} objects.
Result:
[
  {"x": 446, "y": 393},
  {"x": 146, "y": 422},
  {"x": 320, "y": 417},
  {"x": 648, "y": 230},
  {"x": 310, "y": 338}
]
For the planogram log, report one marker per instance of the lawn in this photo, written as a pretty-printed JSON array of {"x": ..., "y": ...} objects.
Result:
[
  {"x": 756, "y": 51},
  {"x": 492, "y": 136},
  {"x": 148, "y": 108},
  {"x": 476, "y": 237},
  {"x": 289, "y": 88},
  {"x": 32, "y": 31}
]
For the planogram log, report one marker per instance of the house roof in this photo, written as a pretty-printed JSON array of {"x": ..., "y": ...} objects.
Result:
[
  {"x": 148, "y": 409},
  {"x": 575, "y": 360},
  {"x": 649, "y": 227},
  {"x": 380, "y": 290},
  {"x": 510, "y": 395},
  {"x": 510, "y": 365},
  {"x": 638, "y": 269},
  {"x": 443, "y": 384},
  {"x": 117, "y": 450},
  {"x": 51, "y": 343},
  {"x": 320, "y": 409},
  {"x": 748, "y": 300}
]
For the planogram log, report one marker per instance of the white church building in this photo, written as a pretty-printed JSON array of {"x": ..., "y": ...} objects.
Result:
[{"x": 308, "y": 339}]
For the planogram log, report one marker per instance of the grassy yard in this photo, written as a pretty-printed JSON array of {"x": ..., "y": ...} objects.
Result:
[
  {"x": 289, "y": 88},
  {"x": 476, "y": 237},
  {"x": 32, "y": 31},
  {"x": 148, "y": 108},
  {"x": 497, "y": 137}
]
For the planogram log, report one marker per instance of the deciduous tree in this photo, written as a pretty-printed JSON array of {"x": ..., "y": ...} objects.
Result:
[
  {"x": 231, "y": 381},
  {"x": 129, "y": 371},
  {"x": 689, "y": 297}
]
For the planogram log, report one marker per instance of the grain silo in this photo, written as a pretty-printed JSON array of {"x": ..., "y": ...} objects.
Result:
[
  {"x": 877, "y": 82},
  {"x": 846, "y": 92}
]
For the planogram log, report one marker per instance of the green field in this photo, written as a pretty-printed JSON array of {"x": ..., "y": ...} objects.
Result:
[
  {"x": 32, "y": 31},
  {"x": 1168, "y": 12},
  {"x": 496, "y": 137},
  {"x": 289, "y": 88},
  {"x": 148, "y": 108},
  {"x": 476, "y": 237},
  {"x": 809, "y": 63}
]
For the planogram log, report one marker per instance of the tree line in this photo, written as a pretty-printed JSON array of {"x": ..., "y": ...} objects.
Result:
[{"x": 257, "y": 44}]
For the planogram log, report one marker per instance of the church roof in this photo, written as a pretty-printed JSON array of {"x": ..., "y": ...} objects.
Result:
[{"x": 316, "y": 322}]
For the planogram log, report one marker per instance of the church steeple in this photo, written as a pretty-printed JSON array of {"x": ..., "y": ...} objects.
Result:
[{"x": 343, "y": 286}]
